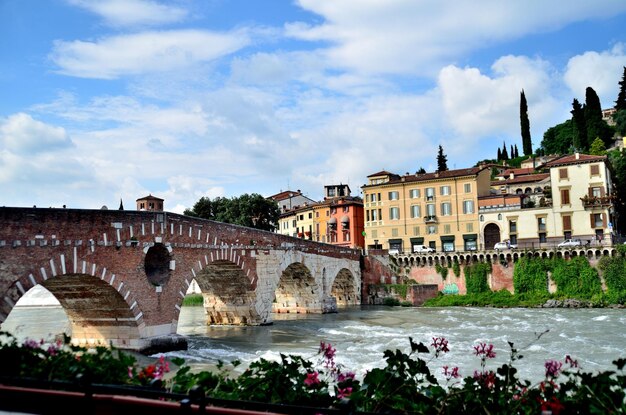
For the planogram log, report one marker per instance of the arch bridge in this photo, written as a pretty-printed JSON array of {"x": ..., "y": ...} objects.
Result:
[{"x": 121, "y": 276}]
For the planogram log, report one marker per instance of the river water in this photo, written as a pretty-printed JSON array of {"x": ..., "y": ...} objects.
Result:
[{"x": 595, "y": 337}]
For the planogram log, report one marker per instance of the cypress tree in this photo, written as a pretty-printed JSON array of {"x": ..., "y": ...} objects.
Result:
[
  {"x": 593, "y": 116},
  {"x": 579, "y": 140},
  {"x": 516, "y": 151},
  {"x": 499, "y": 154},
  {"x": 527, "y": 145},
  {"x": 512, "y": 152},
  {"x": 505, "y": 154},
  {"x": 442, "y": 160},
  {"x": 620, "y": 104}
]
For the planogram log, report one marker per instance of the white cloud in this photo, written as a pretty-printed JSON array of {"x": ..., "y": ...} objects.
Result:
[
  {"x": 599, "y": 70},
  {"x": 479, "y": 105},
  {"x": 132, "y": 12},
  {"x": 22, "y": 134},
  {"x": 405, "y": 36},
  {"x": 146, "y": 52}
]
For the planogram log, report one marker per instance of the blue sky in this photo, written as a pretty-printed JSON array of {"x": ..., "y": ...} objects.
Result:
[{"x": 114, "y": 99}]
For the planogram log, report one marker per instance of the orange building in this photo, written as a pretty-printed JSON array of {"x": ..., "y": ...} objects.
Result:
[{"x": 343, "y": 216}]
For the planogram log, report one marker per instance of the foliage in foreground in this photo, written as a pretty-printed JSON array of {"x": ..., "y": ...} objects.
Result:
[{"x": 405, "y": 384}]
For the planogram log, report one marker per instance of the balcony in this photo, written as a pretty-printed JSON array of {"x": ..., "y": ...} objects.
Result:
[
  {"x": 590, "y": 202},
  {"x": 430, "y": 219}
]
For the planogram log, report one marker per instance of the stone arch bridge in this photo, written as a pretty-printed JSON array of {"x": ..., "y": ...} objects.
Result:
[{"x": 121, "y": 276}]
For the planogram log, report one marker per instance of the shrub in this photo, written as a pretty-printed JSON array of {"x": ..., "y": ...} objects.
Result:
[
  {"x": 476, "y": 277},
  {"x": 193, "y": 300},
  {"x": 390, "y": 301},
  {"x": 576, "y": 278},
  {"x": 531, "y": 275}
]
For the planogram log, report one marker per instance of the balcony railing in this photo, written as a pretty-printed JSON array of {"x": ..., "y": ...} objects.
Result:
[
  {"x": 598, "y": 201},
  {"x": 430, "y": 219}
]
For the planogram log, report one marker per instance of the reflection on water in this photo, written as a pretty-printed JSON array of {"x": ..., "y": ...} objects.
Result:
[{"x": 595, "y": 337}]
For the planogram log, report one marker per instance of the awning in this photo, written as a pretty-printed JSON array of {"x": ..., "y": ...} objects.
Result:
[
  {"x": 333, "y": 221},
  {"x": 447, "y": 238},
  {"x": 417, "y": 241},
  {"x": 470, "y": 237},
  {"x": 395, "y": 242},
  {"x": 345, "y": 219}
]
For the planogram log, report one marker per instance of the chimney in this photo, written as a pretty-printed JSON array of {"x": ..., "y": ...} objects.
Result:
[
  {"x": 511, "y": 175},
  {"x": 577, "y": 155}
]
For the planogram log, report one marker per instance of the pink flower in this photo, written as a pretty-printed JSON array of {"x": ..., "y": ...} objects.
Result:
[
  {"x": 130, "y": 372},
  {"x": 485, "y": 351},
  {"x": 344, "y": 393},
  {"x": 487, "y": 378},
  {"x": 553, "y": 368},
  {"x": 31, "y": 344},
  {"x": 451, "y": 373},
  {"x": 329, "y": 354},
  {"x": 440, "y": 344},
  {"x": 572, "y": 363},
  {"x": 311, "y": 379},
  {"x": 342, "y": 377}
]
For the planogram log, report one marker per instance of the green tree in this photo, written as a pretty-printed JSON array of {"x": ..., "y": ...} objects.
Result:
[
  {"x": 620, "y": 122},
  {"x": 250, "y": 210},
  {"x": 527, "y": 144},
  {"x": 504, "y": 154},
  {"x": 597, "y": 148},
  {"x": 558, "y": 139},
  {"x": 442, "y": 160},
  {"x": 617, "y": 159},
  {"x": 579, "y": 137},
  {"x": 596, "y": 126},
  {"x": 516, "y": 151},
  {"x": 421, "y": 171},
  {"x": 499, "y": 156},
  {"x": 620, "y": 104}
]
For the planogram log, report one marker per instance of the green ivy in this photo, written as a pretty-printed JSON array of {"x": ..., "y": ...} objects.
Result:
[
  {"x": 531, "y": 275},
  {"x": 576, "y": 278},
  {"x": 476, "y": 277},
  {"x": 456, "y": 268},
  {"x": 442, "y": 269}
]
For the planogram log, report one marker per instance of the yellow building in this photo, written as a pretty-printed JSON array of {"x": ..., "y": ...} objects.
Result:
[
  {"x": 297, "y": 222},
  {"x": 571, "y": 199},
  {"x": 439, "y": 210}
]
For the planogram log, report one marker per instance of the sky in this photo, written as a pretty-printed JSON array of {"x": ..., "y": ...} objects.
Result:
[{"x": 111, "y": 100}]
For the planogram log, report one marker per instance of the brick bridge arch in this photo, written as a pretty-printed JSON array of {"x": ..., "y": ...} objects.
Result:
[{"x": 140, "y": 265}]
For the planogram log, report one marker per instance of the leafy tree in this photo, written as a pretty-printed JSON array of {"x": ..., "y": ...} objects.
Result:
[
  {"x": 421, "y": 171},
  {"x": 620, "y": 122},
  {"x": 558, "y": 139},
  {"x": 579, "y": 138},
  {"x": 596, "y": 126},
  {"x": 597, "y": 148},
  {"x": 250, "y": 210},
  {"x": 527, "y": 145},
  {"x": 442, "y": 160},
  {"x": 620, "y": 104}
]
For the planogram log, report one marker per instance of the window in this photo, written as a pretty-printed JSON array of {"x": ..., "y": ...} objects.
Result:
[
  {"x": 567, "y": 223},
  {"x": 430, "y": 193},
  {"x": 481, "y": 218},
  {"x": 596, "y": 192},
  {"x": 471, "y": 245},
  {"x": 513, "y": 239},
  {"x": 394, "y": 232},
  {"x": 293, "y": 223},
  {"x": 541, "y": 224},
  {"x": 512, "y": 226},
  {"x": 373, "y": 197},
  {"x": 394, "y": 213},
  {"x": 416, "y": 230},
  {"x": 311, "y": 215},
  {"x": 374, "y": 214},
  {"x": 594, "y": 170},
  {"x": 331, "y": 192},
  {"x": 467, "y": 187},
  {"x": 415, "y": 211},
  {"x": 431, "y": 230},
  {"x": 597, "y": 220},
  {"x": 468, "y": 206},
  {"x": 333, "y": 210},
  {"x": 346, "y": 209},
  {"x": 444, "y": 190},
  {"x": 542, "y": 238},
  {"x": 469, "y": 227},
  {"x": 446, "y": 209},
  {"x": 414, "y": 193},
  {"x": 446, "y": 229},
  {"x": 394, "y": 195},
  {"x": 499, "y": 216},
  {"x": 565, "y": 197},
  {"x": 430, "y": 209},
  {"x": 563, "y": 173}
]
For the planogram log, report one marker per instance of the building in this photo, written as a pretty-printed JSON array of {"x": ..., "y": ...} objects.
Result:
[
  {"x": 150, "y": 203},
  {"x": 290, "y": 199},
  {"x": 337, "y": 220},
  {"x": 571, "y": 198},
  {"x": 437, "y": 209}
]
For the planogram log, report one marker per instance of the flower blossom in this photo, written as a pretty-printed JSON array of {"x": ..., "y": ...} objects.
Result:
[
  {"x": 553, "y": 368},
  {"x": 344, "y": 392},
  {"x": 572, "y": 363},
  {"x": 342, "y": 377},
  {"x": 440, "y": 344},
  {"x": 312, "y": 379},
  {"x": 485, "y": 351},
  {"x": 451, "y": 373}
]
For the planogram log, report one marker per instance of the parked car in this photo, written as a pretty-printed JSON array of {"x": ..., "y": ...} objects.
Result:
[
  {"x": 504, "y": 245},
  {"x": 423, "y": 249},
  {"x": 394, "y": 251},
  {"x": 570, "y": 242}
]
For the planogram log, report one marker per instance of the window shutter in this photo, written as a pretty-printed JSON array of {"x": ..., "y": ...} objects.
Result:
[
  {"x": 567, "y": 223},
  {"x": 604, "y": 220},
  {"x": 563, "y": 173},
  {"x": 590, "y": 192},
  {"x": 595, "y": 170},
  {"x": 602, "y": 193},
  {"x": 592, "y": 221}
]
